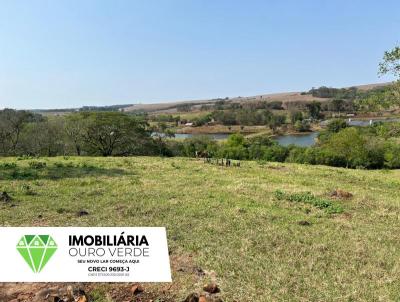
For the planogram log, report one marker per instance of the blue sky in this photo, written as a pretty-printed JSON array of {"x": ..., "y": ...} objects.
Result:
[{"x": 57, "y": 54}]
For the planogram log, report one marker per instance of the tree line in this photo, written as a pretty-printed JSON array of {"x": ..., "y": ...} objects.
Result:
[
  {"x": 119, "y": 134},
  {"x": 373, "y": 147},
  {"x": 83, "y": 133}
]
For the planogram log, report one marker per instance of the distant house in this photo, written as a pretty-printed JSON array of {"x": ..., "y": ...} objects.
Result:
[{"x": 189, "y": 124}]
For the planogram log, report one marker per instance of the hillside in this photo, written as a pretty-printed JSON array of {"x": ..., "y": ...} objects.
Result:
[
  {"x": 284, "y": 97},
  {"x": 251, "y": 229},
  {"x": 173, "y": 106}
]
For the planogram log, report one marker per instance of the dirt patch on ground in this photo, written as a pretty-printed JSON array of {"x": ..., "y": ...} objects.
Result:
[
  {"x": 341, "y": 194},
  {"x": 282, "y": 168},
  {"x": 187, "y": 278},
  {"x": 62, "y": 292}
]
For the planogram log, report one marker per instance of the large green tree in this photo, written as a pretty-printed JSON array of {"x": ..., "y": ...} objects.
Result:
[
  {"x": 391, "y": 65},
  {"x": 75, "y": 126},
  {"x": 314, "y": 109},
  {"x": 43, "y": 138},
  {"x": 113, "y": 133},
  {"x": 391, "y": 62},
  {"x": 12, "y": 123}
]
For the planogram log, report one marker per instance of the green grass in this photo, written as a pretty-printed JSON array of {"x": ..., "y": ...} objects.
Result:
[
  {"x": 230, "y": 222},
  {"x": 308, "y": 198}
]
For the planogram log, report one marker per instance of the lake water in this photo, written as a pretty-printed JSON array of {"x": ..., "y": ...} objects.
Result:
[
  {"x": 216, "y": 136},
  {"x": 364, "y": 122},
  {"x": 305, "y": 140},
  {"x": 302, "y": 140}
]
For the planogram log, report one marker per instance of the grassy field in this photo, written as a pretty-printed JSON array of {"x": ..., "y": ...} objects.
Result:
[{"x": 229, "y": 224}]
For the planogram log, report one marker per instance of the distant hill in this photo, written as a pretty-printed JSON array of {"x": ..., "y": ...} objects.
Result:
[
  {"x": 84, "y": 108},
  {"x": 173, "y": 106},
  {"x": 284, "y": 97}
]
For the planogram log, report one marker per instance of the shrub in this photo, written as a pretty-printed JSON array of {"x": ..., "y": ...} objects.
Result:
[
  {"x": 329, "y": 158},
  {"x": 392, "y": 156},
  {"x": 8, "y": 165},
  {"x": 324, "y": 204},
  {"x": 296, "y": 155},
  {"x": 201, "y": 144},
  {"x": 233, "y": 152},
  {"x": 275, "y": 153},
  {"x": 37, "y": 164},
  {"x": 202, "y": 120},
  {"x": 336, "y": 125},
  {"x": 302, "y": 126}
]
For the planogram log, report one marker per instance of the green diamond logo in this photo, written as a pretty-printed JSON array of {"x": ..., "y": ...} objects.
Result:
[{"x": 36, "y": 250}]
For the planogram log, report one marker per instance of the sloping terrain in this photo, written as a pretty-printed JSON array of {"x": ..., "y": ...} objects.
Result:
[
  {"x": 253, "y": 230},
  {"x": 285, "y": 97}
]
